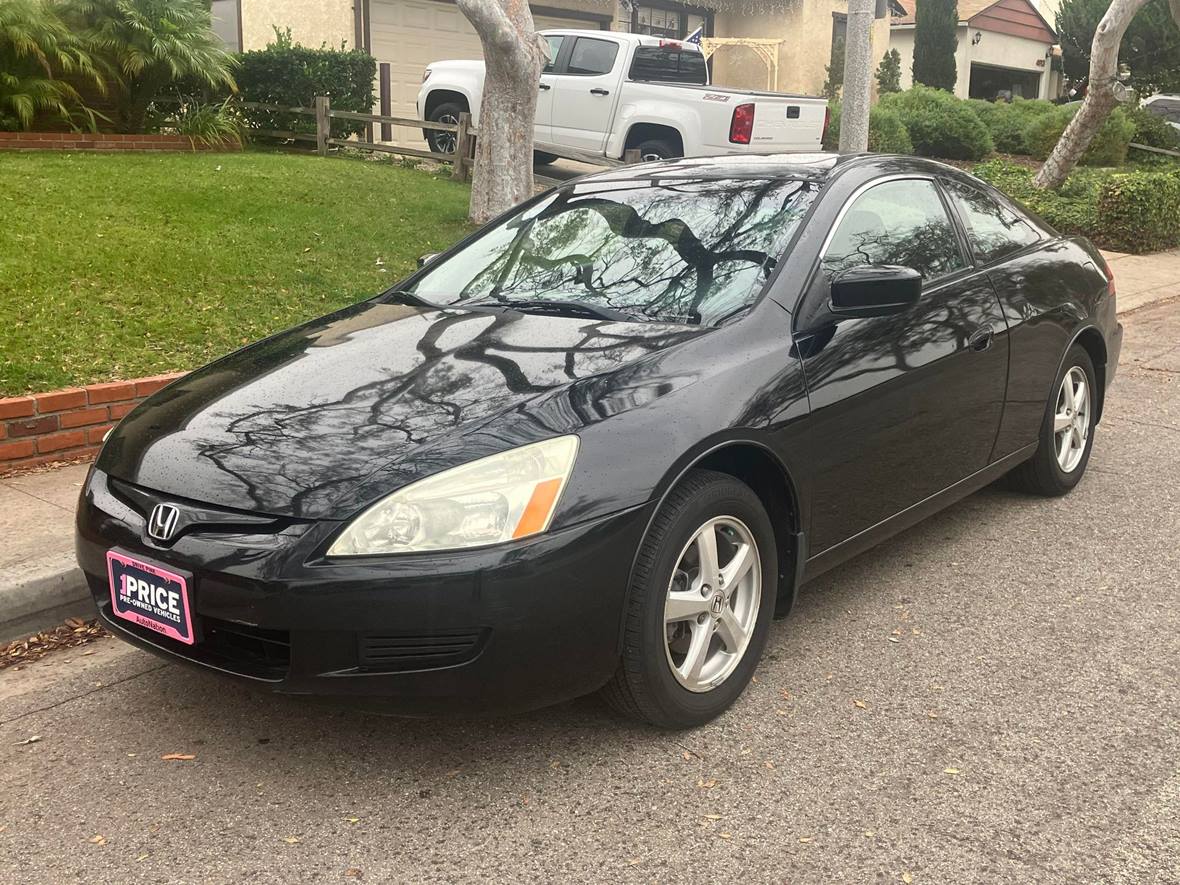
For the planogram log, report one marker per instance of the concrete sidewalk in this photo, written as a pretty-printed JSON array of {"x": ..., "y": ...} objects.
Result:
[{"x": 40, "y": 585}]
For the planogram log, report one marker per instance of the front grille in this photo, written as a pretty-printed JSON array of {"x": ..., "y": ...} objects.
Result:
[
  {"x": 397, "y": 652},
  {"x": 259, "y": 652}
]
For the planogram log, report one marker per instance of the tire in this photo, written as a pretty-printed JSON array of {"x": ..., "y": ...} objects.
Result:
[
  {"x": 447, "y": 112},
  {"x": 540, "y": 158},
  {"x": 646, "y": 686},
  {"x": 1048, "y": 472},
  {"x": 657, "y": 149}
]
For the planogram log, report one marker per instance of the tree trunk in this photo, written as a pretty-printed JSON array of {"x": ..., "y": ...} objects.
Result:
[
  {"x": 858, "y": 77},
  {"x": 1100, "y": 97},
  {"x": 513, "y": 58}
]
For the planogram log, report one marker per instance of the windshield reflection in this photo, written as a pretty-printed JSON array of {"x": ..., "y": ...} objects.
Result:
[{"x": 684, "y": 251}]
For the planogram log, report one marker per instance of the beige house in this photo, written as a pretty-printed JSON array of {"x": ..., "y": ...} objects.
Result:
[
  {"x": 759, "y": 45},
  {"x": 1005, "y": 50}
]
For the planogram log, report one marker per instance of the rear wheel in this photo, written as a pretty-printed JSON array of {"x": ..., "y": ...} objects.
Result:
[
  {"x": 656, "y": 149},
  {"x": 1067, "y": 432},
  {"x": 701, "y": 602},
  {"x": 444, "y": 142}
]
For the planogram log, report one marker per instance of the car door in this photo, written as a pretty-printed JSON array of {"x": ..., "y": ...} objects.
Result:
[
  {"x": 584, "y": 93},
  {"x": 903, "y": 406},
  {"x": 543, "y": 124}
]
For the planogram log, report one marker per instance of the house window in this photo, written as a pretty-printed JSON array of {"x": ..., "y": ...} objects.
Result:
[
  {"x": 673, "y": 22},
  {"x": 227, "y": 23}
]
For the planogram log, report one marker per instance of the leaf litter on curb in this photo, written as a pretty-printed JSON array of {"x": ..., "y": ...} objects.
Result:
[{"x": 72, "y": 633}]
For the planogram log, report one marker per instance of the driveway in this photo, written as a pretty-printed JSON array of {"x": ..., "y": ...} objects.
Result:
[{"x": 990, "y": 696}]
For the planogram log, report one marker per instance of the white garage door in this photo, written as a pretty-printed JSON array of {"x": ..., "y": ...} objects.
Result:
[{"x": 410, "y": 34}]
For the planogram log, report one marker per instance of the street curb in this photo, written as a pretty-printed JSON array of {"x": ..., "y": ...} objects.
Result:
[{"x": 43, "y": 597}]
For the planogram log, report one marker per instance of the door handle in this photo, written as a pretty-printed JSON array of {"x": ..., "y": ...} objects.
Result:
[
  {"x": 598, "y": 90},
  {"x": 981, "y": 338},
  {"x": 543, "y": 86}
]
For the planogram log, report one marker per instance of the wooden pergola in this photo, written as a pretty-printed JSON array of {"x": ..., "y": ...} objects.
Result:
[{"x": 765, "y": 49}]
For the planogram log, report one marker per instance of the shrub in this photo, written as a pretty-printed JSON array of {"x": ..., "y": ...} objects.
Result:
[
  {"x": 146, "y": 46},
  {"x": 889, "y": 73},
  {"x": 211, "y": 124},
  {"x": 887, "y": 134},
  {"x": 1109, "y": 147},
  {"x": 287, "y": 74},
  {"x": 1140, "y": 211},
  {"x": 940, "y": 125},
  {"x": 1007, "y": 121},
  {"x": 1153, "y": 131},
  {"x": 1135, "y": 211}
]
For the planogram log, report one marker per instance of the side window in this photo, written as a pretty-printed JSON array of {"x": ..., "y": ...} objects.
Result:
[
  {"x": 554, "y": 41},
  {"x": 592, "y": 56},
  {"x": 994, "y": 230},
  {"x": 898, "y": 222}
]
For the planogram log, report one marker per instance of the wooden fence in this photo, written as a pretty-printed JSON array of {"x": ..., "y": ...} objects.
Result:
[{"x": 462, "y": 160}]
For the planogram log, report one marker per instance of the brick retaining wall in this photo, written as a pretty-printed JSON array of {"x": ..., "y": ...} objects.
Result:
[
  {"x": 66, "y": 425},
  {"x": 103, "y": 141}
]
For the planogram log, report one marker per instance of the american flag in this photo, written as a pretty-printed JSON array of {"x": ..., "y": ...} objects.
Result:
[{"x": 695, "y": 37}]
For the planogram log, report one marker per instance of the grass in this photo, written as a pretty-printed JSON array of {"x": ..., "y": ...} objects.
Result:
[{"x": 118, "y": 266}]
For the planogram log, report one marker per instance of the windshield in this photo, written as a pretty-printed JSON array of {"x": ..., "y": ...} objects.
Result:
[{"x": 683, "y": 251}]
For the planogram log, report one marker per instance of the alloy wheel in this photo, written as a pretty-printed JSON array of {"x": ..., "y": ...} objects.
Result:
[
  {"x": 445, "y": 141},
  {"x": 712, "y": 603},
  {"x": 1071, "y": 419}
]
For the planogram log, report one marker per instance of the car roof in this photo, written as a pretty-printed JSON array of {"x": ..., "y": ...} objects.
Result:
[{"x": 806, "y": 166}]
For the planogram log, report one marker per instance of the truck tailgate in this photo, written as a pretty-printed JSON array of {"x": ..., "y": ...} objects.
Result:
[{"x": 785, "y": 125}]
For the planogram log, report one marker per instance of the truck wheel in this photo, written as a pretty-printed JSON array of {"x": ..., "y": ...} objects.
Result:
[
  {"x": 656, "y": 149},
  {"x": 444, "y": 142},
  {"x": 540, "y": 158}
]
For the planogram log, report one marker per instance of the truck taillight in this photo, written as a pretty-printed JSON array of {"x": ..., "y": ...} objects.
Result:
[{"x": 741, "y": 127}]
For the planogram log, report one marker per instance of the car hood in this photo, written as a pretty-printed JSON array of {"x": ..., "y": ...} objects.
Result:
[{"x": 318, "y": 421}]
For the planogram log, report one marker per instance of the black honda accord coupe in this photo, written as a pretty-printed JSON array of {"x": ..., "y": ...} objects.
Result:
[{"x": 600, "y": 443}]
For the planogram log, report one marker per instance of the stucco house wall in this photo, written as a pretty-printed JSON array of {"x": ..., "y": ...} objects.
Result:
[
  {"x": 1001, "y": 50},
  {"x": 806, "y": 31},
  {"x": 312, "y": 22}
]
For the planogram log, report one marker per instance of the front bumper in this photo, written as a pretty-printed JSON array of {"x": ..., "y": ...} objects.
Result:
[{"x": 512, "y": 627}]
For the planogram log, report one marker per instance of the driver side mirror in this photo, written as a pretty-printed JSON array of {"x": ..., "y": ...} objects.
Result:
[
  {"x": 875, "y": 290},
  {"x": 424, "y": 260}
]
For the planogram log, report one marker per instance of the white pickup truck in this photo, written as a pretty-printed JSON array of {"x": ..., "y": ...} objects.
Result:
[{"x": 604, "y": 93}]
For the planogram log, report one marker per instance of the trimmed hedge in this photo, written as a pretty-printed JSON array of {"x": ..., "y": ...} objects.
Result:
[
  {"x": 939, "y": 124},
  {"x": 291, "y": 75},
  {"x": 1008, "y": 121},
  {"x": 887, "y": 135},
  {"x": 1109, "y": 147},
  {"x": 1136, "y": 211}
]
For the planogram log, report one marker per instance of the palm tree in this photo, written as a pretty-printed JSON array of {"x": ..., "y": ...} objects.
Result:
[
  {"x": 37, "y": 53},
  {"x": 147, "y": 45}
]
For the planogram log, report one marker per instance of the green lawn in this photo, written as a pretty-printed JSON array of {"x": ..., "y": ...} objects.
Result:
[{"x": 117, "y": 266}]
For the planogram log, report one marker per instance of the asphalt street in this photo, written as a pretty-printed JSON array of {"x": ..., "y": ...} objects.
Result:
[{"x": 992, "y": 696}]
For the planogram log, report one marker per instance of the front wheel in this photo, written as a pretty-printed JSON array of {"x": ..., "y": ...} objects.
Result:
[
  {"x": 700, "y": 604},
  {"x": 444, "y": 142},
  {"x": 1067, "y": 431}
]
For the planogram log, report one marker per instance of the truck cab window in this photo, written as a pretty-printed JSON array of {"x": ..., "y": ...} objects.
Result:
[{"x": 592, "y": 56}]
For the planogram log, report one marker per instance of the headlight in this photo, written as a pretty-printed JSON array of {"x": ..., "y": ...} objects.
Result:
[{"x": 498, "y": 498}]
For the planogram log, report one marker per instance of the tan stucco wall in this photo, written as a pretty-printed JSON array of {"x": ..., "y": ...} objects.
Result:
[
  {"x": 312, "y": 22},
  {"x": 806, "y": 31},
  {"x": 1001, "y": 50}
]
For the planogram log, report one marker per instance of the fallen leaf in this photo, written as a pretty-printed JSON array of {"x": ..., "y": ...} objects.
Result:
[
  {"x": 143, "y": 856},
  {"x": 861, "y": 704},
  {"x": 29, "y": 740},
  {"x": 353, "y": 872},
  {"x": 950, "y": 771},
  {"x": 353, "y": 820},
  {"x": 707, "y": 784},
  {"x": 307, "y": 249},
  {"x": 768, "y": 764},
  {"x": 781, "y": 712},
  {"x": 97, "y": 839},
  {"x": 805, "y": 839},
  {"x": 907, "y": 878},
  {"x": 726, "y": 835},
  {"x": 786, "y": 695},
  {"x": 712, "y": 817},
  {"x": 178, "y": 757},
  {"x": 292, "y": 840},
  {"x": 688, "y": 756},
  {"x": 634, "y": 861},
  {"x": 453, "y": 772},
  {"x": 894, "y": 639}
]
